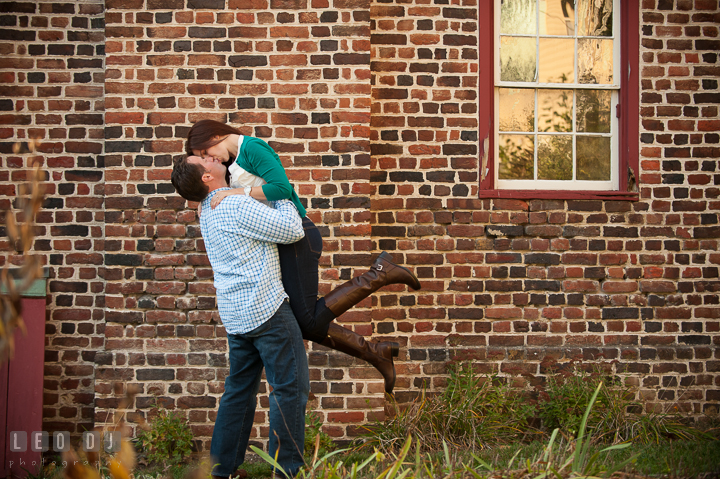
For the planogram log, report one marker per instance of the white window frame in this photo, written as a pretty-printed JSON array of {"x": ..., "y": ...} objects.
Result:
[{"x": 574, "y": 184}]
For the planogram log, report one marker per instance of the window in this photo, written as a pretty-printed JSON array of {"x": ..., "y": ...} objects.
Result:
[{"x": 560, "y": 98}]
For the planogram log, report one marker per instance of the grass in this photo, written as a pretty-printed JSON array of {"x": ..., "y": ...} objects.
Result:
[
  {"x": 561, "y": 456},
  {"x": 669, "y": 459},
  {"x": 472, "y": 413},
  {"x": 616, "y": 417},
  {"x": 677, "y": 459},
  {"x": 681, "y": 458},
  {"x": 480, "y": 427}
]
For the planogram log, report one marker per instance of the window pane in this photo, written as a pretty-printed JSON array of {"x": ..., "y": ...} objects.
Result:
[
  {"x": 517, "y": 109},
  {"x": 593, "y": 158},
  {"x": 518, "y": 17},
  {"x": 595, "y": 61},
  {"x": 555, "y": 157},
  {"x": 557, "y": 17},
  {"x": 556, "y": 60},
  {"x": 517, "y": 59},
  {"x": 555, "y": 110},
  {"x": 516, "y": 157},
  {"x": 595, "y": 18},
  {"x": 593, "y": 111}
]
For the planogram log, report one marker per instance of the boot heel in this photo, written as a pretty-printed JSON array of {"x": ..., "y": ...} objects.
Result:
[{"x": 395, "y": 349}]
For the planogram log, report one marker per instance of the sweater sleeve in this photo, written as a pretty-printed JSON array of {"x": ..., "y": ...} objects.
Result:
[{"x": 265, "y": 163}]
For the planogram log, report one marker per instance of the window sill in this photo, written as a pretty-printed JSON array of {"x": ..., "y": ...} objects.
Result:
[{"x": 560, "y": 195}]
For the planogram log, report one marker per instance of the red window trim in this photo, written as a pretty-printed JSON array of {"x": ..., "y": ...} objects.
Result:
[{"x": 629, "y": 126}]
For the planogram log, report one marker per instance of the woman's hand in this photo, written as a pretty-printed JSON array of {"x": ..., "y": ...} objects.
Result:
[{"x": 220, "y": 195}]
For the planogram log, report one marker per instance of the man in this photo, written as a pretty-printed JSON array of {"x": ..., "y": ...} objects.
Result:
[{"x": 240, "y": 237}]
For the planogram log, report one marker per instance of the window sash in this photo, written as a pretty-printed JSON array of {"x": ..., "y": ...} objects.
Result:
[
  {"x": 616, "y": 37},
  {"x": 573, "y": 183},
  {"x": 629, "y": 134}
]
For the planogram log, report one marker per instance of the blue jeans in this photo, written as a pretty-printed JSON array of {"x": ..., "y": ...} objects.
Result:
[
  {"x": 299, "y": 266},
  {"x": 278, "y": 346}
]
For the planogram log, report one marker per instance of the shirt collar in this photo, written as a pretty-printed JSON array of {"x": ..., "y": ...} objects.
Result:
[{"x": 212, "y": 193}]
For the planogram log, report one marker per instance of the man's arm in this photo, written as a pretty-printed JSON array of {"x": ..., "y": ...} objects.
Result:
[{"x": 280, "y": 225}]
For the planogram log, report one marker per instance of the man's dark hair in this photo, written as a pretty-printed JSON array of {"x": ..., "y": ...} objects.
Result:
[{"x": 187, "y": 180}]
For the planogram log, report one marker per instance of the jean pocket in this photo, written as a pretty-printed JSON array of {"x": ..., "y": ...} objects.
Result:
[
  {"x": 313, "y": 238},
  {"x": 259, "y": 331}
]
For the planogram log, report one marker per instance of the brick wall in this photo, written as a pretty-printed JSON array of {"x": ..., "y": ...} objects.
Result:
[
  {"x": 52, "y": 89},
  {"x": 293, "y": 72},
  {"x": 373, "y": 109}
]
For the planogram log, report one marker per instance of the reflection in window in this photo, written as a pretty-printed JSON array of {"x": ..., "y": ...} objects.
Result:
[
  {"x": 593, "y": 111},
  {"x": 517, "y": 158},
  {"x": 517, "y": 17},
  {"x": 555, "y": 110},
  {"x": 557, "y": 17},
  {"x": 593, "y": 158},
  {"x": 556, "y": 65},
  {"x": 517, "y": 59},
  {"x": 595, "y": 60},
  {"x": 595, "y": 18},
  {"x": 539, "y": 41},
  {"x": 555, "y": 158},
  {"x": 517, "y": 109}
]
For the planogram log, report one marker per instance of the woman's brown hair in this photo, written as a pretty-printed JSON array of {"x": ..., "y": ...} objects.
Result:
[{"x": 200, "y": 136}]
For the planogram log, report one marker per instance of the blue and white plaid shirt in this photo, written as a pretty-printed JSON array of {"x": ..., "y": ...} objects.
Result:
[{"x": 241, "y": 236}]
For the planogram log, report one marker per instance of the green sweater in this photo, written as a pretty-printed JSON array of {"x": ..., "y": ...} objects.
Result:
[{"x": 258, "y": 158}]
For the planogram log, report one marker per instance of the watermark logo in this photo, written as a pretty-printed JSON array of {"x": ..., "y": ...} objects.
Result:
[
  {"x": 109, "y": 441},
  {"x": 59, "y": 441}
]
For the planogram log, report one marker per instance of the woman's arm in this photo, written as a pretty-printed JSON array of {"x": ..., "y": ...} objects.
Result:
[
  {"x": 259, "y": 159},
  {"x": 255, "y": 192},
  {"x": 265, "y": 163}
]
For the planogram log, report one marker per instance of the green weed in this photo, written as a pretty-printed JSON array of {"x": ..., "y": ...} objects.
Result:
[{"x": 168, "y": 441}]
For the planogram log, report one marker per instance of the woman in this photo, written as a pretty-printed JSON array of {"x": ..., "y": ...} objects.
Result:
[{"x": 255, "y": 169}]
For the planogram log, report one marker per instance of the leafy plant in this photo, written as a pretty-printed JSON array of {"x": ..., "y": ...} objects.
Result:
[
  {"x": 168, "y": 441},
  {"x": 121, "y": 464},
  {"x": 317, "y": 468},
  {"x": 313, "y": 431},
  {"x": 582, "y": 462}
]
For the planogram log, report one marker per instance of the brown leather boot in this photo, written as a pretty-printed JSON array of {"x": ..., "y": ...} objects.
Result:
[
  {"x": 378, "y": 354},
  {"x": 381, "y": 273}
]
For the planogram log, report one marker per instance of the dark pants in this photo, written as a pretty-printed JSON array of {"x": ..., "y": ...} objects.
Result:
[
  {"x": 277, "y": 346},
  {"x": 299, "y": 266}
]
